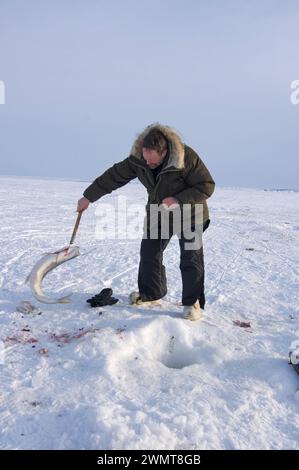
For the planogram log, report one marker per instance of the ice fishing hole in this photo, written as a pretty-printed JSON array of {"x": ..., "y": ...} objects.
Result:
[{"x": 178, "y": 355}]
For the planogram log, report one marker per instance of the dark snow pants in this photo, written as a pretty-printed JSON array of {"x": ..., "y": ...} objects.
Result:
[{"x": 152, "y": 282}]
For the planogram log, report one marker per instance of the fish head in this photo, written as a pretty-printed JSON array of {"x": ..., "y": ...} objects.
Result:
[{"x": 67, "y": 253}]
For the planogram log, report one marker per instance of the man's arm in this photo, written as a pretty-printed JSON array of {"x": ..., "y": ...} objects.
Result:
[
  {"x": 200, "y": 182},
  {"x": 113, "y": 178}
]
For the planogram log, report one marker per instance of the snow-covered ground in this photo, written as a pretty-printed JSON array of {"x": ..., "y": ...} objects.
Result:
[{"x": 141, "y": 378}]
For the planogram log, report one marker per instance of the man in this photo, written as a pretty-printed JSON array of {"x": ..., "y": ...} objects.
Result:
[{"x": 173, "y": 175}]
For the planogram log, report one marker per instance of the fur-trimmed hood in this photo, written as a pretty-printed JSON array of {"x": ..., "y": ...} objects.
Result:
[{"x": 175, "y": 143}]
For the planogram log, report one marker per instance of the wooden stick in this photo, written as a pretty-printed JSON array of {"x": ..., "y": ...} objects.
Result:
[{"x": 76, "y": 227}]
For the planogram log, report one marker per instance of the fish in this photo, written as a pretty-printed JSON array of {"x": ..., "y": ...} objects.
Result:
[{"x": 46, "y": 264}]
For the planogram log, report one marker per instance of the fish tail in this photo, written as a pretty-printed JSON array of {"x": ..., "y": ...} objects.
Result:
[{"x": 65, "y": 300}]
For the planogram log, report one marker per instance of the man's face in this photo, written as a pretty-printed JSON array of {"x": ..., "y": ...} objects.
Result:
[{"x": 153, "y": 158}]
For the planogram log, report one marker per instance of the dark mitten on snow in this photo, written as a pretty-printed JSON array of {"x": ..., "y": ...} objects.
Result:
[{"x": 103, "y": 298}]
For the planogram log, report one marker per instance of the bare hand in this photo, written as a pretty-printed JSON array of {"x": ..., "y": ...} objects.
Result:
[
  {"x": 83, "y": 204},
  {"x": 170, "y": 202}
]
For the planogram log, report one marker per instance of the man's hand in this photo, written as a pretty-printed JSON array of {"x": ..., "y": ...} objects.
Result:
[
  {"x": 170, "y": 203},
  {"x": 83, "y": 204}
]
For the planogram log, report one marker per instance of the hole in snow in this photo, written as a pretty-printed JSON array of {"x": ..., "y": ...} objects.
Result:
[{"x": 178, "y": 355}]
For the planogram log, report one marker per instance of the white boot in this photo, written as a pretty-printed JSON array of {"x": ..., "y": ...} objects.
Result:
[
  {"x": 192, "y": 312},
  {"x": 135, "y": 299}
]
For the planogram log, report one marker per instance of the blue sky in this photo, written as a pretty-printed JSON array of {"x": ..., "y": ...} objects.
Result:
[{"x": 83, "y": 77}]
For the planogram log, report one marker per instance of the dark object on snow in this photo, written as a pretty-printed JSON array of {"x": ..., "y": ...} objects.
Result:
[
  {"x": 242, "y": 324},
  {"x": 294, "y": 359},
  {"x": 103, "y": 298},
  {"x": 104, "y": 294},
  {"x": 98, "y": 302},
  {"x": 296, "y": 367}
]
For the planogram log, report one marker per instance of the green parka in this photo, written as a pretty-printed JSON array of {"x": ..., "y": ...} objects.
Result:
[{"x": 183, "y": 174}]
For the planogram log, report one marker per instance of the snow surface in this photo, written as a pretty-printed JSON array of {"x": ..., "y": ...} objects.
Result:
[{"x": 142, "y": 378}]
